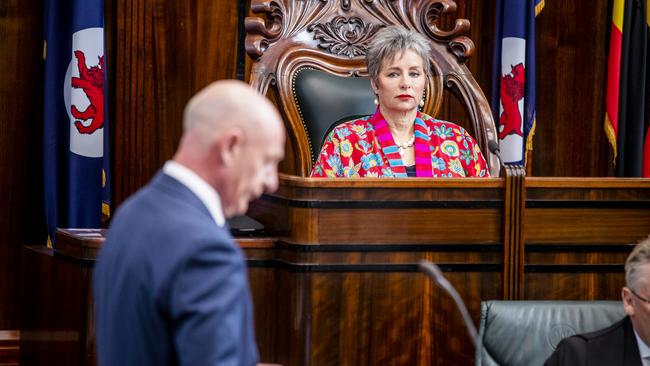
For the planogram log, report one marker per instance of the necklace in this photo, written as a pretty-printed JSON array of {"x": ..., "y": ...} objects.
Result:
[{"x": 406, "y": 145}]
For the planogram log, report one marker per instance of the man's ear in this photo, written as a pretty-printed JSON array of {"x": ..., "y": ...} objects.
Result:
[
  {"x": 626, "y": 296},
  {"x": 230, "y": 146}
]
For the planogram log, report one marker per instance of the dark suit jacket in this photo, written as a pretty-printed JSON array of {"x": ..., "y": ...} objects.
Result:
[
  {"x": 170, "y": 285},
  {"x": 615, "y": 345}
]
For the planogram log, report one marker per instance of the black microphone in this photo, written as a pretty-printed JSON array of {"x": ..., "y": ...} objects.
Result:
[
  {"x": 434, "y": 272},
  {"x": 494, "y": 149}
]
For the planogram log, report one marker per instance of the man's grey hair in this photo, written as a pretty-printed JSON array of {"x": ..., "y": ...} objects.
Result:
[
  {"x": 634, "y": 270},
  {"x": 388, "y": 42}
]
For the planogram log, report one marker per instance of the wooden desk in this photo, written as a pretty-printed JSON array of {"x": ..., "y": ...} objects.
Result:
[
  {"x": 347, "y": 289},
  {"x": 57, "y": 325},
  {"x": 343, "y": 273},
  {"x": 336, "y": 283},
  {"x": 579, "y": 233}
]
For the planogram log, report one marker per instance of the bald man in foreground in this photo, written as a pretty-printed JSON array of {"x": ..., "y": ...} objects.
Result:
[{"x": 170, "y": 284}]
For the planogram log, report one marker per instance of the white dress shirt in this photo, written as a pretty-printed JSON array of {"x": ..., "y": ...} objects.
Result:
[
  {"x": 644, "y": 350},
  {"x": 206, "y": 194}
]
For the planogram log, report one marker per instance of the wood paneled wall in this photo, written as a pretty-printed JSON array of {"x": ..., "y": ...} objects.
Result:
[
  {"x": 572, "y": 48},
  {"x": 481, "y": 15},
  {"x": 162, "y": 52},
  {"x": 21, "y": 90}
]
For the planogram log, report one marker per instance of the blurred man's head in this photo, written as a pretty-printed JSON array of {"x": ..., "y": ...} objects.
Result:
[
  {"x": 636, "y": 293},
  {"x": 233, "y": 138}
]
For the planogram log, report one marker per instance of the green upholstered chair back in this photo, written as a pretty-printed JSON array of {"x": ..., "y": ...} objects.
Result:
[
  {"x": 325, "y": 100},
  {"x": 525, "y": 333}
]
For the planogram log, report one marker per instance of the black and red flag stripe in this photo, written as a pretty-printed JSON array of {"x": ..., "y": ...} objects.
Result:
[{"x": 627, "y": 118}]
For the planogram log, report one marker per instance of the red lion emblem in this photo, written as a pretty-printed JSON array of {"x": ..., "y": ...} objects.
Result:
[
  {"x": 91, "y": 81},
  {"x": 512, "y": 91}
]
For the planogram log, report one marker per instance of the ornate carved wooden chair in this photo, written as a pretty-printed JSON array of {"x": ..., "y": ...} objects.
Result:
[{"x": 309, "y": 56}]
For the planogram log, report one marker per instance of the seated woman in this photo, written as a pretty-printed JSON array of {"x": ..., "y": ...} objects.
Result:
[{"x": 398, "y": 140}]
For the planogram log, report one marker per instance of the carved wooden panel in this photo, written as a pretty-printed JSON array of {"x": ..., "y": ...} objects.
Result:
[
  {"x": 344, "y": 36},
  {"x": 286, "y": 19}
]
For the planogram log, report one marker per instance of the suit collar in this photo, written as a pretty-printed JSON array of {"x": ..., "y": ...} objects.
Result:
[
  {"x": 208, "y": 196},
  {"x": 644, "y": 349},
  {"x": 178, "y": 191},
  {"x": 632, "y": 356}
]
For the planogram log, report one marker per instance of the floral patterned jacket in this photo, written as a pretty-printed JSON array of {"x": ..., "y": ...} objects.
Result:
[{"x": 365, "y": 148}]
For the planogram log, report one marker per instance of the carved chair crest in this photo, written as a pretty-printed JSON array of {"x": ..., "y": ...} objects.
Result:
[{"x": 332, "y": 36}]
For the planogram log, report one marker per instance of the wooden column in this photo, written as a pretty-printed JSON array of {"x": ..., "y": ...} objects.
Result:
[{"x": 513, "y": 234}]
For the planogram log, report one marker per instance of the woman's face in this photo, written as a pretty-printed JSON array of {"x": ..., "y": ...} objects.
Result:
[{"x": 401, "y": 82}]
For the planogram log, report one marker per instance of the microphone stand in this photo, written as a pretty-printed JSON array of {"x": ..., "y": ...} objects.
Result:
[
  {"x": 433, "y": 271},
  {"x": 493, "y": 146}
]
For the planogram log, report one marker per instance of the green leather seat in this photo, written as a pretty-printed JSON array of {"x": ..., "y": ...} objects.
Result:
[{"x": 525, "y": 333}]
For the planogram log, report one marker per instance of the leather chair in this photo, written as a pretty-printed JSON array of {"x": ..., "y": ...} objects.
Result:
[
  {"x": 513, "y": 333},
  {"x": 309, "y": 56}
]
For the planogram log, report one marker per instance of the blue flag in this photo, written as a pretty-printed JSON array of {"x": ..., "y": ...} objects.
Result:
[
  {"x": 75, "y": 124},
  {"x": 513, "y": 80}
]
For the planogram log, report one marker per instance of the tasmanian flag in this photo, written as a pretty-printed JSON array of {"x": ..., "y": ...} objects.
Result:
[
  {"x": 75, "y": 123},
  {"x": 513, "y": 80},
  {"x": 628, "y": 106}
]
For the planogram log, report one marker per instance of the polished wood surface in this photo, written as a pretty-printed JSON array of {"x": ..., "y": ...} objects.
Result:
[
  {"x": 513, "y": 233},
  {"x": 57, "y": 321},
  {"x": 21, "y": 162},
  {"x": 360, "y": 308},
  {"x": 284, "y": 38},
  {"x": 372, "y": 211},
  {"x": 578, "y": 234},
  {"x": 163, "y": 53},
  {"x": 571, "y": 80},
  {"x": 9, "y": 347},
  {"x": 587, "y": 211}
]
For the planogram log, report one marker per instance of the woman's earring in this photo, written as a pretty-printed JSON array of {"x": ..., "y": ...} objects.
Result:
[
  {"x": 422, "y": 103},
  {"x": 376, "y": 101}
]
